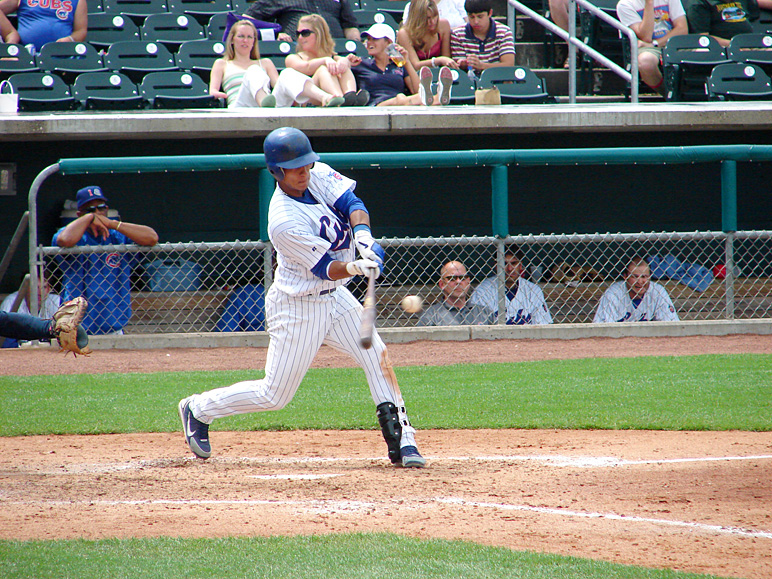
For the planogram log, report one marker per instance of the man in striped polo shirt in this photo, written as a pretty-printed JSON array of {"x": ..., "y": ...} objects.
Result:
[{"x": 483, "y": 42}]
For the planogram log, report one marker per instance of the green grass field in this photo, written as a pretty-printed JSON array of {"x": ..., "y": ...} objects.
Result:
[{"x": 712, "y": 392}]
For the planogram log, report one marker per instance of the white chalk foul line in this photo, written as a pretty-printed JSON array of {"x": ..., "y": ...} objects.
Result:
[
  {"x": 333, "y": 506},
  {"x": 610, "y": 516}
]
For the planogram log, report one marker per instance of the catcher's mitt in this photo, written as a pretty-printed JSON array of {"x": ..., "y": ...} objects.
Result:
[{"x": 67, "y": 330}]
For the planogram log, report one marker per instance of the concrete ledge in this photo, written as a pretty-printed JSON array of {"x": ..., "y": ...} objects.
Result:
[
  {"x": 507, "y": 119},
  {"x": 452, "y": 333}
]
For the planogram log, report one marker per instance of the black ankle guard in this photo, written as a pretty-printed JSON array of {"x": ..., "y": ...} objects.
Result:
[{"x": 391, "y": 429}]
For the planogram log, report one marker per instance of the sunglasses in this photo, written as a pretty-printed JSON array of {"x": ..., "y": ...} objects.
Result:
[
  {"x": 455, "y": 277},
  {"x": 305, "y": 33},
  {"x": 95, "y": 208}
]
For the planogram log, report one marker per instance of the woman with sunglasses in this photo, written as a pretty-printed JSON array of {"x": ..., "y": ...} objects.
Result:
[
  {"x": 316, "y": 58},
  {"x": 246, "y": 80},
  {"x": 426, "y": 36}
]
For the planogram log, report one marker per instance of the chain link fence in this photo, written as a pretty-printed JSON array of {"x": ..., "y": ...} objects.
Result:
[{"x": 209, "y": 287}]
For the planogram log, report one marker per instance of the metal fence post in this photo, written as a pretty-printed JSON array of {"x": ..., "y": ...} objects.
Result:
[
  {"x": 729, "y": 226},
  {"x": 267, "y": 184},
  {"x": 500, "y": 201}
]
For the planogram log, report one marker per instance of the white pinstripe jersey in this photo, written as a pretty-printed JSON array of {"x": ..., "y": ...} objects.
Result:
[
  {"x": 303, "y": 232},
  {"x": 616, "y": 306}
]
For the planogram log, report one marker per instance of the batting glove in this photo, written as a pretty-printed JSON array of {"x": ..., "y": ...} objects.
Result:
[
  {"x": 367, "y": 246},
  {"x": 365, "y": 267}
]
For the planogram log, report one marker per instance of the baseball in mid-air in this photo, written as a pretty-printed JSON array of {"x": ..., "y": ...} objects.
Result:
[{"x": 412, "y": 304}]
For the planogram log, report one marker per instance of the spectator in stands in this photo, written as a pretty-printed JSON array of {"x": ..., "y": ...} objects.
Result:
[
  {"x": 102, "y": 278},
  {"x": 636, "y": 298},
  {"x": 246, "y": 80},
  {"x": 387, "y": 82},
  {"x": 524, "y": 299},
  {"x": 455, "y": 309},
  {"x": 721, "y": 19},
  {"x": 426, "y": 36},
  {"x": 451, "y": 10},
  {"x": 317, "y": 59},
  {"x": 483, "y": 43},
  {"x": 654, "y": 22},
  {"x": 49, "y": 303},
  {"x": 338, "y": 14},
  {"x": 244, "y": 310},
  {"x": 41, "y": 22}
]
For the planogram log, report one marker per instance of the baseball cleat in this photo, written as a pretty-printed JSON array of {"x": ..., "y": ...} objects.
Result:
[
  {"x": 196, "y": 432},
  {"x": 411, "y": 458}
]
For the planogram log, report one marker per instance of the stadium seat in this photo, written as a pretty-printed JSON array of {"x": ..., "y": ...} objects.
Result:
[
  {"x": 393, "y": 7},
  {"x": 215, "y": 29},
  {"x": 176, "y": 90},
  {"x": 462, "y": 91},
  {"x": 41, "y": 91},
  {"x": 688, "y": 60},
  {"x": 754, "y": 48},
  {"x": 276, "y": 50},
  {"x": 95, "y": 7},
  {"x": 739, "y": 81},
  {"x": 137, "y": 10},
  {"x": 137, "y": 58},
  {"x": 517, "y": 85},
  {"x": 106, "y": 29},
  {"x": 345, "y": 46},
  {"x": 366, "y": 18},
  {"x": 198, "y": 56},
  {"x": 69, "y": 59},
  {"x": 171, "y": 30},
  {"x": 106, "y": 91},
  {"x": 763, "y": 25},
  {"x": 202, "y": 10},
  {"x": 15, "y": 58}
]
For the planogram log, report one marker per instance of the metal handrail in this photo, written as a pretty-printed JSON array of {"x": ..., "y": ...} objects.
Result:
[{"x": 574, "y": 43}]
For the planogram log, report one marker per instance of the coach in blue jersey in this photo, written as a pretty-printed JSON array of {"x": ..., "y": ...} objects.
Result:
[
  {"x": 317, "y": 225},
  {"x": 102, "y": 278}
]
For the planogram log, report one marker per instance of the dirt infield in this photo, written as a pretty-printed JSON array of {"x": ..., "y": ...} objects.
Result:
[{"x": 692, "y": 501}]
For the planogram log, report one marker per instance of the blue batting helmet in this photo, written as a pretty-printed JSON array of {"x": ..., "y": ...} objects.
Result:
[{"x": 287, "y": 148}]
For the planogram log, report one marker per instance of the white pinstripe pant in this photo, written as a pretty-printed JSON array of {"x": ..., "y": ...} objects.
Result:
[{"x": 298, "y": 327}]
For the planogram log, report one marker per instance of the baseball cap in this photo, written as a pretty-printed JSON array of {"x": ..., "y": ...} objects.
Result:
[
  {"x": 380, "y": 30},
  {"x": 89, "y": 194}
]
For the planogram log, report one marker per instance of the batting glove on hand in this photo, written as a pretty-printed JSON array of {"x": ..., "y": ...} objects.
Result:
[
  {"x": 366, "y": 267},
  {"x": 367, "y": 246}
]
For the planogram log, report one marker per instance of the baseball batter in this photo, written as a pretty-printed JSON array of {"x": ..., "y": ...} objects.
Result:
[
  {"x": 636, "y": 298},
  {"x": 314, "y": 221}
]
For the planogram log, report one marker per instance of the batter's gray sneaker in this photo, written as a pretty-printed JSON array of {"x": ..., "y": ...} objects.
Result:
[
  {"x": 196, "y": 432},
  {"x": 411, "y": 458}
]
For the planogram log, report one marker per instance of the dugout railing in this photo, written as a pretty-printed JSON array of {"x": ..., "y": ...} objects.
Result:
[{"x": 594, "y": 260}]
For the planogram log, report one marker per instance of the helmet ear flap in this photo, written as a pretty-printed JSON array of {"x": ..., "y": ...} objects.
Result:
[{"x": 277, "y": 172}]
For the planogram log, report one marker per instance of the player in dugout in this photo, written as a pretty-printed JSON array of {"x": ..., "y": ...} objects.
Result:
[
  {"x": 636, "y": 298},
  {"x": 314, "y": 222}
]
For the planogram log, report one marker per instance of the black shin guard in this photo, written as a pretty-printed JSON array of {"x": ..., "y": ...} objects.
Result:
[{"x": 391, "y": 429}]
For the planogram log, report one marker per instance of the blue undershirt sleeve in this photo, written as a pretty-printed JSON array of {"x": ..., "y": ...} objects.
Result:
[
  {"x": 320, "y": 269},
  {"x": 348, "y": 203}
]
